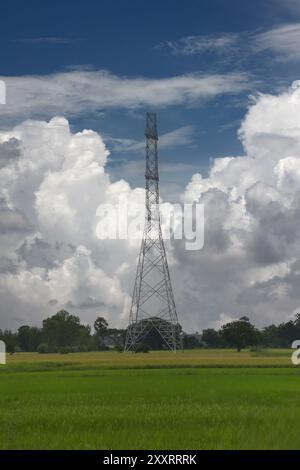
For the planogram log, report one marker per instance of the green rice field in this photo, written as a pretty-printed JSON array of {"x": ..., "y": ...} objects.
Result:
[{"x": 200, "y": 399}]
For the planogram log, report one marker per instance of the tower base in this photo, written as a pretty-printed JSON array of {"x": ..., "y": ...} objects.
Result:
[{"x": 137, "y": 334}]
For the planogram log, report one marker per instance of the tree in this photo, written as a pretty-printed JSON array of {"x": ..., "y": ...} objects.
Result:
[
  {"x": 42, "y": 348},
  {"x": 101, "y": 327},
  {"x": 142, "y": 348},
  {"x": 191, "y": 342},
  {"x": 62, "y": 329},
  {"x": 287, "y": 333},
  {"x": 239, "y": 334},
  {"x": 10, "y": 340},
  {"x": 118, "y": 336},
  {"x": 85, "y": 340},
  {"x": 269, "y": 336},
  {"x": 212, "y": 338},
  {"x": 29, "y": 337}
]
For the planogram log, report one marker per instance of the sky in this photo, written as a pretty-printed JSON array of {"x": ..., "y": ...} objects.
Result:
[{"x": 79, "y": 79}]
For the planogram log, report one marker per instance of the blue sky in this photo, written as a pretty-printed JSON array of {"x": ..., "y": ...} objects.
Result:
[
  {"x": 156, "y": 40},
  {"x": 100, "y": 65}
]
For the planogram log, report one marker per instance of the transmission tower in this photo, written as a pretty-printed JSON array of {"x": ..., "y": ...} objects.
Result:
[{"x": 153, "y": 306}]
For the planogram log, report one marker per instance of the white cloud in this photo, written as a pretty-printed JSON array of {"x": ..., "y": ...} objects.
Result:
[
  {"x": 252, "y": 204},
  {"x": 55, "y": 180},
  {"x": 191, "y": 45},
  {"x": 223, "y": 319},
  {"x": 46, "y": 40},
  {"x": 283, "y": 40},
  {"x": 181, "y": 136},
  {"x": 76, "y": 283},
  {"x": 80, "y": 91},
  {"x": 50, "y": 254}
]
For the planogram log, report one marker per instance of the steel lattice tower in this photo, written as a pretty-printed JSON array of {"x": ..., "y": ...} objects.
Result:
[{"x": 153, "y": 305}]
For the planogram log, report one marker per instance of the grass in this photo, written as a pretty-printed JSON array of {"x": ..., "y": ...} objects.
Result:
[
  {"x": 153, "y": 360},
  {"x": 114, "y": 401}
]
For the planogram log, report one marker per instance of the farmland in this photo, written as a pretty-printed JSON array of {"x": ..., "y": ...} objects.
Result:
[{"x": 201, "y": 399}]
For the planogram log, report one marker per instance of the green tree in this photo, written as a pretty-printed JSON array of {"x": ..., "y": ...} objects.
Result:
[
  {"x": 212, "y": 338},
  {"x": 191, "y": 342},
  {"x": 239, "y": 334},
  {"x": 288, "y": 332},
  {"x": 118, "y": 336},
  {"x": 42, "y": 348},
  {"x": 29, "y": 337},
  {"x": 101, "y": 328},
  {"x": 85, "y": 340},
  {"x": 10, "y": 339},
  {"x": 62, "y": 329},
  {"x": 269, "y": 336}
]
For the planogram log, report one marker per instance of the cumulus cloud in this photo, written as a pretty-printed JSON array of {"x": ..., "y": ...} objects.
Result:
[
  {"x": 252, "y": 208},
  {"x": 79, "y": 91},
  {"x": 9, "y": 151},
  {"x": 51, "y": 258},
  {"x": 223, "y": 319},
  {"x": 49, "y": 199}
]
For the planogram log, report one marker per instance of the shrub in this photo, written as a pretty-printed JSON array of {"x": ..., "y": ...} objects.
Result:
[
  {"x": 65, "y": 350},
  {"x": 142, "y": 348},
  {"x": 42, "y": 348}
]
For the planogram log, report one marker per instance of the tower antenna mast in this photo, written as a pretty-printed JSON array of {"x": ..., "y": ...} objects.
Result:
[{"x": 153, "y": 305}]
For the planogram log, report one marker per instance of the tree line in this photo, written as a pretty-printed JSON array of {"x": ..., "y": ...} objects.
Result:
[
  {"x": 63, "y": 332},
  {"x": 242, "y": 334}
]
